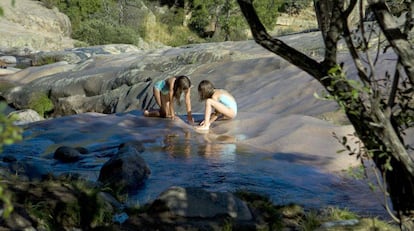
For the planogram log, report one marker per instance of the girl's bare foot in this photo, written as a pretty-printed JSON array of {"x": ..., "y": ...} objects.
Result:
[
  {"x": 146, "y": 113},
  {"x": 202, "y": 128}
]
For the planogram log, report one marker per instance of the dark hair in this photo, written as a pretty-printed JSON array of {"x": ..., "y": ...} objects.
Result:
[
  {"x": 182, "y": 83},
  {"x": 205, "y": 89}
]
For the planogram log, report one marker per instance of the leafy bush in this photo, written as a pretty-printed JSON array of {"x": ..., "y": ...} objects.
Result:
[
  {"x": 294, "y": 7},
  {"x": 79, "y": 11},
  {"x": 98, "y": 32},
  {"x": 181, "y": 35},
  {"x": 40, "y": 103},
  {"x": 120, "y": 21},
  {"x": 174, "y": 17},
  {"x": 199, "y": 19},
  {"x": 268, "y": 11},
  {"x": 9, "y": 133}
]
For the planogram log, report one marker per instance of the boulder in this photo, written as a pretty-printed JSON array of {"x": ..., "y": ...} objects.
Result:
[
  {"x": 7, "y": 59},
  {"x": 67, "y": 154},
  {"x": 25, "y": 116},
  {"x": 30, "y": 24},
  {"x": 126, "y": 170},
  {"x": 193, "y": 202},
  {"x": 107, "y": 82}
]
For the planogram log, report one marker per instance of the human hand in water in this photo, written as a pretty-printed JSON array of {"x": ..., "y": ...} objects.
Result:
[{"x": 190, "y": 119}]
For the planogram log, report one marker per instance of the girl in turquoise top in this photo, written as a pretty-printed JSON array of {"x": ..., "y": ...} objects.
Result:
[
  {"x": 220, "y": 100},
  {"x": 165, "y": 91}
]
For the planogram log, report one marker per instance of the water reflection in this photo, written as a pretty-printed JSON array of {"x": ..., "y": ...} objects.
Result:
[
  {"x": 222, "y": 147},
  {"x": 219, "y": 163},
  {"x": 174, "y": 148}
]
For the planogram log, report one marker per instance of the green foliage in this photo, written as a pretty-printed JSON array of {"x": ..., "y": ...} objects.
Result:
[
  {"x": 294, "y": 7},
  {"x": 9, "y": 133},
  {"x": 271, "y": 214},
  {"x": 96, "y": 22},
  {"x": 267, "y": 10},
  {"x": 231, "y": 22},
  {"x": 78, "y": 205},
  {"x": 79, "y": 11},
  {"x": 5, "y": 197},
  {"x": 44, "y": 60},
  {"x": 174, "y": 17},
  {"x": 98, "y": 32},
  {"x": 336, "y": 214},
  {"x": 181, "y": 35},
  {"x": 200, "y": 16},
  {"x": 41, "y": 103},
  {"x": 346, "y": 97},
  {"x": 310, "y": 221}
]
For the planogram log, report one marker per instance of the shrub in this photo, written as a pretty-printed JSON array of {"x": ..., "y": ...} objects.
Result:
[
  {"x": 40, "y": 103},
  {"x": 98, "y": 32},
  {"x": 9, "y": 133},
  {"x": 294, "y": 7}
]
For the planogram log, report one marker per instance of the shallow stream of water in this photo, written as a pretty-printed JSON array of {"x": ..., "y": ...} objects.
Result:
[
  {"x": 221, "y": 166},
  {"x": 179, "y": 156}
]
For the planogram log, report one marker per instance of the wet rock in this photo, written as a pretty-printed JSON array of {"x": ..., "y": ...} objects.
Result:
[
  {"x": 127, "y": 170},
  {"x": 195, "y": 202},
  {"x": 30, "y": 169},
  {"x": 138, "y": 145},
  {"x": 9, "y": 159},
  {"x": 194, "y": 208},
  {"x": 67, "y": 154}
]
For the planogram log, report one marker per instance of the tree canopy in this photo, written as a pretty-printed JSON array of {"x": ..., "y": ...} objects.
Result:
[{"x": 123, "y": 21}]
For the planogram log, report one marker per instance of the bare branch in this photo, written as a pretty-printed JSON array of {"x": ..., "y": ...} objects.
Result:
[
  {"x": 394, "y": 87},
  {"x": 355, "y": 56}
]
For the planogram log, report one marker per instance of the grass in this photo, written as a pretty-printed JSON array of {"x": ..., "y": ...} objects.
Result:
[{"x": 295, "y": 217}]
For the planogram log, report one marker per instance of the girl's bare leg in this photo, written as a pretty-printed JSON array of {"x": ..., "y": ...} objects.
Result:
[
  {"x": 157, "y": 96},
  {"x": 220, "y": 108},
  {"x": 162, "y": 103}
]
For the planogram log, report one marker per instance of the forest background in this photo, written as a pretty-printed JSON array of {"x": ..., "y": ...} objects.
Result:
[{"x": 168, "y": 22}]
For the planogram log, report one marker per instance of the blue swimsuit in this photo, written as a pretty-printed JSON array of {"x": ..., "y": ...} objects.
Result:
[
  {"x": 162, "y": 87},
  {"x": 228, "y": 102}
]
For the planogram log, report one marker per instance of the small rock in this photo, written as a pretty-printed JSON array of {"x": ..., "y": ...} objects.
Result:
[{"x": 67, "y": 154}]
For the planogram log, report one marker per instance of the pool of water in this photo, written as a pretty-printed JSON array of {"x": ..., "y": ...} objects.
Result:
[
  {"x": 179, "y": 156},
  {"x": 221, "y": 166}
]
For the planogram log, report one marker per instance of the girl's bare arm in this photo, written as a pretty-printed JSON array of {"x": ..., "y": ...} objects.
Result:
[
  {"x": 171, "y": 97},
  {"x": 188, "y": 105}
]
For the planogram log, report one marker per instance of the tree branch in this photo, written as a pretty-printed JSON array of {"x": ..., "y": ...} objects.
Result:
[
  {"x": 277, "y": 46},
  {"x": 395, "y": 36}
]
